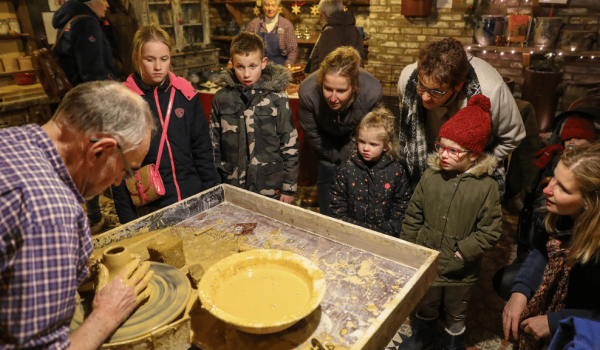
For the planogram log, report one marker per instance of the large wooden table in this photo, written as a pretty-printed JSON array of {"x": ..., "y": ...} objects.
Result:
[{"x": 373, "y": 280}]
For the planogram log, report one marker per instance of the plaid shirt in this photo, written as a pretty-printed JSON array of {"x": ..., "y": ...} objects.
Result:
[
  {"x": 287, "y": 39},
  {"x": 45, "y": 241}
]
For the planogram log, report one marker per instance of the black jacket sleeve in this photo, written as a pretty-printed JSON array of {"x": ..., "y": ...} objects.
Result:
[
  {"x": 123, "y": 203},
  {"x": 88, "y": 48},
  {"x": 202, "y": 150}
]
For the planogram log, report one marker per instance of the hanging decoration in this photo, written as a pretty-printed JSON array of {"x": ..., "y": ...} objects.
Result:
[
  {"x": 474, "y": 12},
  {"x": 280, "y": 10},
  {"x": 296, "y": 8},
  {"x": 314, "y": 10},
  {"x": 256, "y": 11},
  {"x": 345, "y": 9}
]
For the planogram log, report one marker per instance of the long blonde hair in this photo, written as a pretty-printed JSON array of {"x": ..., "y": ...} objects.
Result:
[
  {"x": 584, "y": 162},
  {"x": 146, "y": 34},
  {"x": 382, "y": 118}
]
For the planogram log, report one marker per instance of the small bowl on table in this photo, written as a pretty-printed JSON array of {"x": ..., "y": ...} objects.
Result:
[
  {"x": 262, "y": 291},
  {"x": 24, "y": 78}
]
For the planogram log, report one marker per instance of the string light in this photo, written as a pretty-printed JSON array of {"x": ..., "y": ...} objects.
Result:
[
  {"x": 469, "y": 48},
  {"x": 581, "y": 57},
  {"x": 513, "y": 51},
  {"x": 502, "y": 53},
  {"x": 484, "y": 51},
  {"x": 531, "y": 52}
]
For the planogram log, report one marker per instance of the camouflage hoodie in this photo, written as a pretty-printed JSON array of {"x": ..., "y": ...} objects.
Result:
[{"x": 253, "y": 134}]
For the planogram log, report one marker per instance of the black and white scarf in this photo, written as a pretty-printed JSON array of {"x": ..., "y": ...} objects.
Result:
[{"x": 413, "y": 118}]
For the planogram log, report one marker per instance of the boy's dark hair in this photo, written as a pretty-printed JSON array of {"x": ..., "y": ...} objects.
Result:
[
  {"x": 245, "y": 43},
  {"x": 444, "y": 61}
]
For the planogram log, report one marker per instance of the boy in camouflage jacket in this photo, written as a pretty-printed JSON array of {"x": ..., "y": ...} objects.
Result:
[{"x": 252, "y": 129}]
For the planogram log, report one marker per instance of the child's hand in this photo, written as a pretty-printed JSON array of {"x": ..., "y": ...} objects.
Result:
[
  {"x": 285, "y": 198},
  {"x": 457, "y": 254}
]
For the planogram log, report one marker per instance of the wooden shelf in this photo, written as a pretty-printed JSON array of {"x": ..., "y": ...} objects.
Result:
[
  {"x": 243, "y": 2},
  {"x": 533, "y": 51},
  {"x": 12, "y": 37},
  {"x": 191, "y": 24},
  {"x": 8, "y": 74},
  {"x": 159, "y": 3},
  {"x": 300, "y": 41}
]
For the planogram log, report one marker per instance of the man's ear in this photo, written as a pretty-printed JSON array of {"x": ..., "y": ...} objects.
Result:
[
  {"x": 100, "y": 148},
  {"x": 264, "y": 62},
  {"x": 459, "y": 86}
]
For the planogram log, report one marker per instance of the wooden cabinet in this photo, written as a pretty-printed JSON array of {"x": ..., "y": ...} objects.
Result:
[{"x": 187, "y": 23}]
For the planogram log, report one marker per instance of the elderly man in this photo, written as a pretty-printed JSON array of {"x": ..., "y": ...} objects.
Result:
[
  {"x": 433, "y": 89},
  {"x": 339, "y": 29},
  {"x": 100, "y": 130}
]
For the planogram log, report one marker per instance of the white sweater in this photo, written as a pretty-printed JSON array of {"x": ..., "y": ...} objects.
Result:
[{"x": 507, "y": 125}]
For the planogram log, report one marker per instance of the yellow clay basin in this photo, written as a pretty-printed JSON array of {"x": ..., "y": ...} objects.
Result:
[{"x": 262, "y": 291}]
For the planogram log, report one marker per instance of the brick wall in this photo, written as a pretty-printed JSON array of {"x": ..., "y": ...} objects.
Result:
[{"x": 395, "y": 40}]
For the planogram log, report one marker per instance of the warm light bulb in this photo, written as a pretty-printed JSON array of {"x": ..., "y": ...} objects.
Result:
[
  {"x": 502, "y": 53},
  {"x": 469, "y": 48},
  {"x": 513, "y": 51},
  {"x": 531, "y": 52},
  {"x": 484, "y": 51}
]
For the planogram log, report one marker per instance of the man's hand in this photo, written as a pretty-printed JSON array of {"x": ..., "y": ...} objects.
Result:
[
  {"x": 511, "y": 314},
  {"x": 538, "y": 326},
  {"x": 118, "y": 298},
  {"x": 285, "y": 198}
]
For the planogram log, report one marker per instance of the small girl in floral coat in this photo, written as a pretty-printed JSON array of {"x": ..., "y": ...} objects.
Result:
[{"x": 371, "y": 189}]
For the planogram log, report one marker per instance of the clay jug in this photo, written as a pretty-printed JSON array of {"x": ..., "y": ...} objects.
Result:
[
  {"x": 488, "y": 29},
  {"x": 115, "y": 258},
  {"x": 546, "y": 31},
  {"x": 577, "y": 40},
  {"x": 539, "y": 88}
]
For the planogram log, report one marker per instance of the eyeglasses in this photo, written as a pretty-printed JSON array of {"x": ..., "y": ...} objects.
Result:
[
  {"x": 433, "y": 93},
  {"x": 128, "y": 169},
  {"x": 452, "y": 152}
]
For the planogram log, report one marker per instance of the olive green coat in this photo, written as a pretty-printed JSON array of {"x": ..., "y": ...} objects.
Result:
[{"x": 452, "y": 212}]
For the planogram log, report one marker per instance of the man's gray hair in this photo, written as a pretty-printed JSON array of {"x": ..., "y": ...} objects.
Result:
[
  {"x": 277, "y": 1},
  {"x": 328, "y": 7},
  {"x": 107, "y": 107}
]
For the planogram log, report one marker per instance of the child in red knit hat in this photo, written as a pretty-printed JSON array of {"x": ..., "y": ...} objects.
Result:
[
  {"x": 576, "y": 131},
  {"x": 455, "y": 209}
]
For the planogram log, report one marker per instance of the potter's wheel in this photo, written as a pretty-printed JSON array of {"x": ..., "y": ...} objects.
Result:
[{"x": 170, "y": 293}]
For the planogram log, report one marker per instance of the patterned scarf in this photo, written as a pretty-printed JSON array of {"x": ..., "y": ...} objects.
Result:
[
  {"x": 551, "y": 294},
  {"x": 413, "y": 117}
]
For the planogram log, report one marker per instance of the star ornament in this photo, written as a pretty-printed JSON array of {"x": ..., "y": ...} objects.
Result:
[
  {"x": 280, "y": 10},
  {"x": 256, "y": 11},
  {"x": 345, "y": 9},
  {"x": 296, "y": 9},
  {"x": 314, "y": 10}
]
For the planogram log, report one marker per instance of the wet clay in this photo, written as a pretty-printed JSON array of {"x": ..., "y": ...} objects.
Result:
[
  {"x": 263, "y": 294},
  {"x": 168, "y": 250}
]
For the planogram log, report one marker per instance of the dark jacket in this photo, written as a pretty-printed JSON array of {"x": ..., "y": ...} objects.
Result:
[
  {"x": 83, "y": 52},
  {"x": 122, "y": 25},
  {"x": 339, "y": 30},
  {"x": 452, "y": 212},
  {"x": 190, "y": 145},
  {"x": 374, "y": 196},
  {"x": 584, "y": 280},
  {"x": 329, "y": 132},
  {"x": 253, "y": 134}
]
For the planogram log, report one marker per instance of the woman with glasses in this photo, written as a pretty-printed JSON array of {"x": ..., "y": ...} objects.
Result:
[
  {"x": 456, "y": 210},
  {"x": 185, "y": 157},
  {"x": 332, "y": 103},
  {"x": 433, "y": 89}
]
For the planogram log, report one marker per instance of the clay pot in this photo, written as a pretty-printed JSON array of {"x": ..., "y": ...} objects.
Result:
[
  {"x": 115, "y": 258},
  {"x": 232, "y": 28},
  {"x": 510, "y": 82},
  {"x": 539, "y": 88},
  {"x": 488, "y": 29},
  {"x": 546, "y": 31},
  {"x": 420, "y": 8},
  {"x": 577, "y": 40}
]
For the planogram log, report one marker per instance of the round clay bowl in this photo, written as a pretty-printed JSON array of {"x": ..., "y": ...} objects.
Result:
[{"x": 262, "y": 291}]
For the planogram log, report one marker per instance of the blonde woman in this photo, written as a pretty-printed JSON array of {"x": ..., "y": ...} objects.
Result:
[
  {"x": 561, "y": 276},
  {"x": 186, "y": 161},
  {"x": 332, "y": 103},
  {"x": 277, "y": 33}
]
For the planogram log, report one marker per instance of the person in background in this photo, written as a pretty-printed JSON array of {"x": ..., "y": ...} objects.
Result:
[
  {"x": 84, "y": 54},
  {"x": 561, "y": 275},
  {"x": 455, "y": 210},
  {"x": 436, "y": 87},
  {"x": 339, "y": 29},
  {"x": 371, "y": 188},
  {"x": 332, "y": 104},
  {"x": 186, "y": 163},
  {"x": 45, "y": 239},
  {"x": 277, "y": 34},
  {"x": 122, "y": 26},
  {"x": 251, "y": 124}
]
